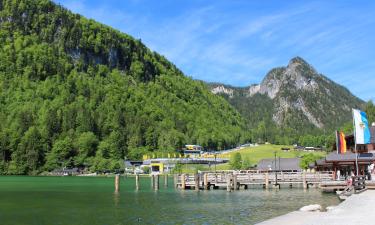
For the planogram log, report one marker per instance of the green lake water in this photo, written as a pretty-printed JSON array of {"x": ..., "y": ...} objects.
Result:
[{"x": 91, "y": 200}]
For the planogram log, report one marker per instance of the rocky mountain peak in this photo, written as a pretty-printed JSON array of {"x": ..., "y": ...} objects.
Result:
[
  {"x": 296, "y": 94},
  {"x": 297, "y": 60},
  {"x": 297, "y": 75}
]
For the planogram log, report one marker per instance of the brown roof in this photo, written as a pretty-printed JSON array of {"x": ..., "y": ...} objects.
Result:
[
  {"x": 349, "y": 157},
  {"x": 286, "y": 164}
]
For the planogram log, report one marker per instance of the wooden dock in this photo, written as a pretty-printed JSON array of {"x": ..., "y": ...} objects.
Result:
[
  {"x": 234, "y": 180},
  {"x": 339, "y": 185}
]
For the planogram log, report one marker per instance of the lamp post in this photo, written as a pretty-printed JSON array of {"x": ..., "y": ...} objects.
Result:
[
  {"x": 275, "y": 168},
  {"x": 215, "y": 162}
]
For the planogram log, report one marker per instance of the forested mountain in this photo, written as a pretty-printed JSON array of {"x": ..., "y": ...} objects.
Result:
[
  {"x": 290, "y": 102},
  {"x": 74, "y": 92}
]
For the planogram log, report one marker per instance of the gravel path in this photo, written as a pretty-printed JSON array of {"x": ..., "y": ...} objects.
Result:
[{"x": 357, "y": 209}]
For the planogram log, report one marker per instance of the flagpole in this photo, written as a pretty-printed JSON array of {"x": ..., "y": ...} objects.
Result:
[
  {"x": 337, "y": 142},
  {"x": 355, "y": 145}
]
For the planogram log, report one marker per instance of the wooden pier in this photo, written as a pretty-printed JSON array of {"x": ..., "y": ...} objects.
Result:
[
  {"x": 235, "y": 180},
  {"x": 359, "y": 183}
]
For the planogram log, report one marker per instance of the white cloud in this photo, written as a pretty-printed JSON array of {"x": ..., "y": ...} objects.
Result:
[{"x": 216, "y": 44}]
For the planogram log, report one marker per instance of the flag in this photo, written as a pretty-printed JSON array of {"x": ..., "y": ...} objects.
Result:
[
  {"x": 361, "y": 128},
  {"x": 338, "y": 147},
  {"x": 342, "y": 143}
]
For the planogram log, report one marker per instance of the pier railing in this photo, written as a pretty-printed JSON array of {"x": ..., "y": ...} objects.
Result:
[{"x": 236, "y": 179}]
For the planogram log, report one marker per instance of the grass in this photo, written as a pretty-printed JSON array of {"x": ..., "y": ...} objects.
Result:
[{"x": 254, "y": 155}]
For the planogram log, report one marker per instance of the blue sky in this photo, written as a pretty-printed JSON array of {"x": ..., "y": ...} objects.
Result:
[{"x": 238, "y": 41}]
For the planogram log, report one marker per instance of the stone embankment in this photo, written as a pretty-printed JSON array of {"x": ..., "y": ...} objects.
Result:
[{"x": 357, "y": 209}]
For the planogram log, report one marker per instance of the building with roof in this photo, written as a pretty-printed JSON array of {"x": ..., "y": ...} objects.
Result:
[
  {"x": 280, "y": 164},
  {"x": 346, "y": 162}
]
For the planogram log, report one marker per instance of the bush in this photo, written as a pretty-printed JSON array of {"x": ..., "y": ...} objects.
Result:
[
  {"x": 236, "y": 161},
  {"x": 307, "y": 159}
]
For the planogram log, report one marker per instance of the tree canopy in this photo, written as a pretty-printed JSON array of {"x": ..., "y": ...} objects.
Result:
[{"x": 74, "y": 92}]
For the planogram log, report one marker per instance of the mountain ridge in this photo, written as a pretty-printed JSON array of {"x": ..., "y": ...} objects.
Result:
[{"x": 296, "y": 89}]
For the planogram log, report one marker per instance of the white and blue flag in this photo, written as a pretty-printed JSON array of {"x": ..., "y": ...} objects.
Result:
[{"x": 361, "y": 128}]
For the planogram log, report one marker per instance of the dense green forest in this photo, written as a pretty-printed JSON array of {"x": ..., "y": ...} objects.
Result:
[{"x": 78, "y": 93}]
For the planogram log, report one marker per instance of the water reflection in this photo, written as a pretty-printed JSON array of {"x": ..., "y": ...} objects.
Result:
[{"x": 92, "y": 201}]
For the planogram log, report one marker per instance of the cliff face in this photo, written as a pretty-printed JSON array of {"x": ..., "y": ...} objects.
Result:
[{"x": 299, "y": 95}]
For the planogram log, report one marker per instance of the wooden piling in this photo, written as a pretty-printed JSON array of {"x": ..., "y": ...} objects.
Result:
[
  {"x": 304, "y": 183},
  {"x": 156, "y": 182},
  {"x": 166, "y": 180},
  {"x": 205, "y": 181},
  {"x": 152, "y": 181},
  {"x": 117, "y": 183},
  {"x": 235, "y": 186},
  {"x": 266, "y": 182},
  {"x": 229, "y": 188},
  {"x": 183, "y": 182},
  {"x": 137, "y": 181},
  {"x": 175, "y": 180},
  {"x": 196, "y": 180}
]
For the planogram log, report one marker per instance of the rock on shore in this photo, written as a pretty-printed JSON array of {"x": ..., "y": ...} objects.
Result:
[{"x": 311, "y": 208}]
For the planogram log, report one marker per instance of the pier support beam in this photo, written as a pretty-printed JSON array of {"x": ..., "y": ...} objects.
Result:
[
  {"x": 229, "y": 183},
  {"x": 152, "y": 181},
  {"x": 205, "y": 181},
  {"x": 156, "y": 182},
  {"x": 183, "y": 186},
  {"x": 304, "y": 183},
  {"x": 196, "y": 180},
  {"x": 175, "y": 180},
  {"x": 235, "y": 185},
  {"x": 117, "y": 183},
  {"x": 266, "y": 180},
  {"x": 137, "y": 182},
  {"x": 166, "y": 180}
]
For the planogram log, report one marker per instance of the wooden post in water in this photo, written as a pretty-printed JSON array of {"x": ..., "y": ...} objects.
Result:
[
  {"x": 304, "y": 183},
  {"x": 235, "y": 186},
  {"x": 166, "y": 180},
  {"x": 156, "y": 182},
  {"x": 137, "y": 181},
  {"x": 229, "y": 188},
  {"x": 205, "y": 181},
  {"x": 266, "y": 182},
  {"x": 117, "y": 183},
  {"x": 196, "y": 180},
  {"x": 152, "y": 181},
  {"x": 175, "y": 180},
  {"x": 183, "y": 182}
]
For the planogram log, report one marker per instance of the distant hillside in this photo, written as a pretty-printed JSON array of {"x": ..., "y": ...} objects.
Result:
[
  {"x": 295, "y": 99},
  {"x": 75, "y": 92}
]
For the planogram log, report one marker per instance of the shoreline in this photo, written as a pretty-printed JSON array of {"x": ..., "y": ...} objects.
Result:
[{"x": 357, "y": 209}]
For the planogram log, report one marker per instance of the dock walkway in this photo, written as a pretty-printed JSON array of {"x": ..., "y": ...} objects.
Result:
[{"x": 234, "y": 180}]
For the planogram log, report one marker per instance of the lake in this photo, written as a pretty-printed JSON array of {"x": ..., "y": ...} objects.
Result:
[{"x": 91, "y": 200}]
